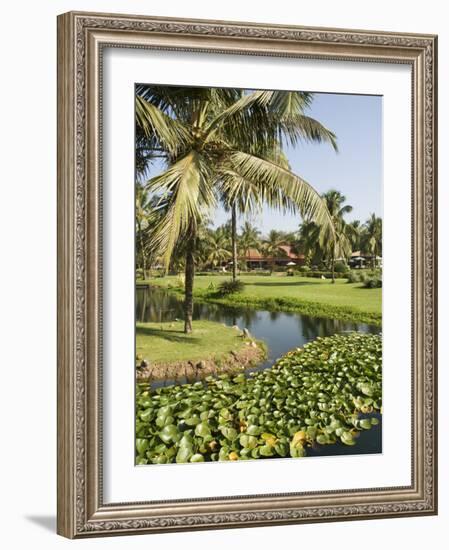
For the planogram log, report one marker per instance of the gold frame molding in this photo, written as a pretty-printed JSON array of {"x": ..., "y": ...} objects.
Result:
[{"x": 81, "y": 38}]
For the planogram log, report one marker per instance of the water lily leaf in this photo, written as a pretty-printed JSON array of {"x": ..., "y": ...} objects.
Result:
[
  {"x": 322, "y": 439},
  {"x": 197, "y": 458},
  {"x": 229, "y": 433},
  {"x": 297, "y": 450},
  {"x": 299, "y": 437},
  {"x": 169, "y": 433},
  {"x": 248, "y": 441},
  {"x": 141, "y": 445},
  {"x": 186, "y": 440},
  {"x": 223, "y": 453},
  {"x": 184, "y": 454},
  {"x": 146, "y": 414},
  {"x": 367, "y": 389},
  {"x": 202, "y": 429},
  {"x": 347, "y": 438},
  {"x": 193, "y": 420},
  {"x": 162, "y": 421},
  {"x": 266, "y": 450},
  {"x": 365, "y": 423},
  {"x": 253, "y": 430}
]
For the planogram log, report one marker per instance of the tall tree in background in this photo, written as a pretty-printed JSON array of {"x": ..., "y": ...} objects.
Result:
[
  {"x": 272, "y": 247},
  {"x": 142, "y": 219},
  {"x": 250, "y": 237},
  {"x": 217, "y": 248},
  {"x": 309, "y": 242},
  {"x": 338, "y": 244},
  {"x": 372, "y": 237}
]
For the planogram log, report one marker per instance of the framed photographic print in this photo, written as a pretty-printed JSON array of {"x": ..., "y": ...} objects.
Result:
[{"x": 247, "y": 274}]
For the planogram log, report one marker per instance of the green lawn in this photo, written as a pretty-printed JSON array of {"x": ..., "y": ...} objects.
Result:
[
  {"x": 210, "y": 340},
  {"x": 315, "y": 297}
]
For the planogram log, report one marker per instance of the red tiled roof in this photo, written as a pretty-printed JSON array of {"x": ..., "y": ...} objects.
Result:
[{"x": 255, "y": 255}]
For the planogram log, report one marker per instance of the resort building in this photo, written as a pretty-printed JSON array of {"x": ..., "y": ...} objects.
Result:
[{"x": 286, "y": 258}]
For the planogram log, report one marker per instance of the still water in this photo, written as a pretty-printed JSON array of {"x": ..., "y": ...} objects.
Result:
[{"x": 281, "y": 331}]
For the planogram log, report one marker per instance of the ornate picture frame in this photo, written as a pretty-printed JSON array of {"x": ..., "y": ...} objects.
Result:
[{"x": 81, "y": 40}]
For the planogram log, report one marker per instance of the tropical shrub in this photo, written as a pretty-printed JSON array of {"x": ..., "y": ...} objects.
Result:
[
  {"x": 355, "y": 276},
  {"x": 320, "y": 394},
  {"x": 341, "y": 267},
  {"x": 230, "y": 287},
  {"x": 304, "y": 269},
  {"x": 374, "y": 281}
]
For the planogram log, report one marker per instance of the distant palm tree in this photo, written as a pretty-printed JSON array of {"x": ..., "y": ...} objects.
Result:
[
  {"x": 309, "y": 241},
  {"x": 142, "y": 219},
  {"x": 338, "y": 245},
  {"x": 272, "y": 247},
  {"x": 216, "y": 142},
  {"x": 355, "y": 234},
  {"x": 249, "y": 238},
  {"x": 372, "y": 238},
  {"x": 217, "y": 248}
]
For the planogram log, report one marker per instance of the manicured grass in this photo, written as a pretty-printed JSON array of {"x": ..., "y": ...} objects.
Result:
[
  {"x": 210, "y": 340},
  {"x": 315, "y": 297}
]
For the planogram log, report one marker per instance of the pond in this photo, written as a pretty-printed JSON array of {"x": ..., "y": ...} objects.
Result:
[{"x": 281, "y": 331}]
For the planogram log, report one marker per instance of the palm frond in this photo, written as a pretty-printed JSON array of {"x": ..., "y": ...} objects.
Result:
[
  {"x": 185, "y": 196},
  {"x": 171, "y": 134},
  {"x": 298, "y": 128},
  {"x": 286, "y": 104},
  {"x": 281, "y": 188}
]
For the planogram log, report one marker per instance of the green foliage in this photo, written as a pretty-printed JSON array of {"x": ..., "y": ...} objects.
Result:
[
  {"x": 321, "y": 274},
  {"x": 320, "y": 394},
  {"x": 304, "y": 269},
  {"x": 230, "y": 287},
  {"x": 341, "y": 267},
  {"x": 355, "y": 276},
  {"x": 370, "y": 279},
  {"x": 374, "y": 281}
]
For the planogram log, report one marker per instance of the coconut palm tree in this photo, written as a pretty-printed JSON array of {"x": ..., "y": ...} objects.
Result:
[
  {"x": 242, "y": 195},
  {"x": 372, "y": 237},
  {"x": 250, "y": 237},
  {"x": 338, "y": 245},
  {"x": 355, "y": 229},
  {"x": 211, "y": 139},
  {"x": 272, "y": 247},
  {"x": 217, "y": 248},
  {"x": 309, "y": 242},
  {"x": 142, "y": 204}
]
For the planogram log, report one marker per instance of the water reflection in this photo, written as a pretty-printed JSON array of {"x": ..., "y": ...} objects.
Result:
[{"x": 282, "y": 331}]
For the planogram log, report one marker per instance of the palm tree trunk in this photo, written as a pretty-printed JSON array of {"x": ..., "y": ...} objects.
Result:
[
  {"x": 234, "y": 242},
  {"x": 333, "y": 268},
  {"x": 188, "y": 285},
  {"x": 142, "y": 251}
]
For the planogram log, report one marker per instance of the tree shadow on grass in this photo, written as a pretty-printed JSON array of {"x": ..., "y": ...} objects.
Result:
[
  {"x": 170, "y": 335},
  {"x": 286, "y": 283}
]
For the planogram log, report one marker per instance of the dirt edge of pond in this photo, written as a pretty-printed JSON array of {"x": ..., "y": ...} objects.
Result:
[{"x": 250, "y": 355}]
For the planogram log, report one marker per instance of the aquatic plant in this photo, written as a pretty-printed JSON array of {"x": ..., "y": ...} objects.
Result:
[{"x": 318, "y": 395}]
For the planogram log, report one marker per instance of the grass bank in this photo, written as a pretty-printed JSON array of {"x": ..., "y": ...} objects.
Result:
[
  {"x": 212, "y": 348},
  {"x": 315, "y": 297}
]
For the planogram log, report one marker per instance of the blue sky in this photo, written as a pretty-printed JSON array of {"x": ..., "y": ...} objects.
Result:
[{"x": 355, "y": 171}]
